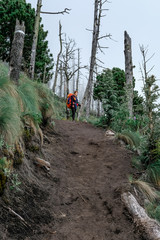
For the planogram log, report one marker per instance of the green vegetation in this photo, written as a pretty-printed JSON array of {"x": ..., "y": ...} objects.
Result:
[
  {"x": 9, "y": 11},
  {"x": 110, "y": 90},
  {"x": 141, "y": 133}
]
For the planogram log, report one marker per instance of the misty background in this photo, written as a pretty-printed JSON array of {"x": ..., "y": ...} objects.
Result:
[{"x": 140, "y": 18}]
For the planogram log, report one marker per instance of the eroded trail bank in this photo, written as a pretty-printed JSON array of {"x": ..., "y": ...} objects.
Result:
[{"x": 79, "y": 199}]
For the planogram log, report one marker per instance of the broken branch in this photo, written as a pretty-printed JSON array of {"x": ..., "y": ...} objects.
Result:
[{"x": 66, "y": 10}]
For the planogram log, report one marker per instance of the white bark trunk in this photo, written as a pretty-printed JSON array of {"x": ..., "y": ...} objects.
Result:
[
  {"x": 96, "y": 26},
  {"x": 58, "y": 57},
  {"x": 61, "y": 80},
  {"x": 78, "y": 73},
  {"x": 35, "y": 39}
]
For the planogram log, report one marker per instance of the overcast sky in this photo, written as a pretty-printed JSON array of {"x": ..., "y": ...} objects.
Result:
[{"x": 140, "y": 18}]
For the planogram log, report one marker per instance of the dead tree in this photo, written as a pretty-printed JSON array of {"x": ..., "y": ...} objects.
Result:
[
  {"x": 78, "y": 72},
  {"x": 94, "y": 80},
  {"x": 98, "y": 14},
  {"x": 128, "y": 72},
  {"x": 98, "y": 108},
  {"x": 35, "y": 39},
  {"x": 17, "y": 51},
  {"x": 65, "y": 88},
  {"x": 35, "y": 36},
  {"x": 73, "y": 69},
  {"x": 61, "y": 80},
  {"x": 148, "y": 82},
  {"x": 58, "y": 57},
  {"x": 67, "y": 57}
]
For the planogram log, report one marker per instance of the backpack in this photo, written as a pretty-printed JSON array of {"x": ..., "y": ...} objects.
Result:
[{"x": 68, "y": 102}]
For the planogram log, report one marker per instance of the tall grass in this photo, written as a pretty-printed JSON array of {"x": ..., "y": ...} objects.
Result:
[
  {"x": 29, "y": 97},
  {"x": 10, "y": 121},
  {"x": 29, "y": 103}
]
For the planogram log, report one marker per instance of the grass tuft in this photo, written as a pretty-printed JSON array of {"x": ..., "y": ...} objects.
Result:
[
  {"x": 147, "y": 190},
  {"x": 130, "y": 138}
]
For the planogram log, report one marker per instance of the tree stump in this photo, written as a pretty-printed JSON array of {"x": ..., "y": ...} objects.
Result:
[{"x": 17, "y": 51}]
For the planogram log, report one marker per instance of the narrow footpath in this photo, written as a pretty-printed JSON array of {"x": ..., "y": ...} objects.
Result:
[{"x": 92, "y": 171}]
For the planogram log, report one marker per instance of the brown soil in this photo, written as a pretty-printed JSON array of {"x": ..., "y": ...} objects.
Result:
[{"x": 79, "y": 198}]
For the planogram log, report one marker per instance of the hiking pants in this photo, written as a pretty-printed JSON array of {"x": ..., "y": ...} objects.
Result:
[{"x": 73, "y": 113}]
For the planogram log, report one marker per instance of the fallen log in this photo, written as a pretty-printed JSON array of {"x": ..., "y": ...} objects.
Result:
[{"x": 151, "y": 228}]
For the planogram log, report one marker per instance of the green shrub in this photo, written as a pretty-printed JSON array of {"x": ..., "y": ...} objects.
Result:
[{"x": 153, "y": 172}]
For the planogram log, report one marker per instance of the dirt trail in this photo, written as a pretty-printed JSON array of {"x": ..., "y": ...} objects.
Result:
[
  {"x": 90, "y": 178},
  {"x": 80, "y": 198}
]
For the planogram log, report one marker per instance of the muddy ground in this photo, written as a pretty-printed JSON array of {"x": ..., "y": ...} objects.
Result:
[{"x": 79, "y": 198}]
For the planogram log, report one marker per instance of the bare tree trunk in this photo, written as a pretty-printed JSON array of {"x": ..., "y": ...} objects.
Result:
[
  {"x": 61, "y": 80},
  {"x": 35, "y": 39},
  {"x": 78, "y": 72},
  {"x": 67, "y": 110},
  {"x": 128, "y": 72},
  {"x": 73, "y": 70},
  {"x": 96, "y": 26},
  {"x": 44, "y": 74},
  {"x": 92, "y": 105},
  {"x": 65, "y": 88},
  {"x": 149, "y": 103},
  {"x": 17, "y": 51},
  {"x": 98, "y": 108},
  {"x": 147, "y": 87},
  {"x": 58, "y": 57},
  {"x": 67, "y": 82}
]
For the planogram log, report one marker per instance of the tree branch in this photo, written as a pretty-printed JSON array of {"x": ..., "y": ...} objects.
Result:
[
  {"x": 71, "y": 74},
  {"x": 150, "y": 70},
  {"x": 99, "y": 60},
  {"x": 66, "y": 10},
  {"x": 150, "y": 58},
  {"x": 105, "y": 36},
  {"x": 89, "y": 30}
]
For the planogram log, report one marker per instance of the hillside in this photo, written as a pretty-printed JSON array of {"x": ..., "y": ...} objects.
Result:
[{"x": 79, "y": 198}]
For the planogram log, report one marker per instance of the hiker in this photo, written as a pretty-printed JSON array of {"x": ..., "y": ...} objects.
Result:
[{"x": 74, "y": 104}]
